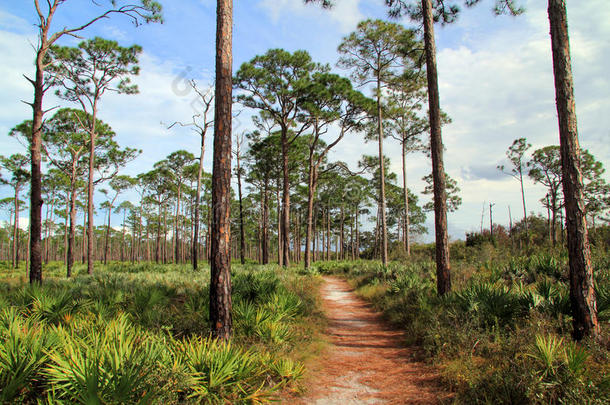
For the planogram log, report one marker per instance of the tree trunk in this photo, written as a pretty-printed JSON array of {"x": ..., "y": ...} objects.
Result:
[
  {"x": 265, "y": 236},
  {"x": 242, "y": 235},
  {"x": 523, "y": 200},
  {"x": 554, "y": 218},
  {"x": 16, "y": 230},
  {"x": 123, "y": 247},
  {"x": 285, "y": 228},
  {"x": 406, "y": 236},
  {"x": 66, "y": 228},
  {"x": 176, "y": 226},
  {"x": 582, "y": 293},
  {"x": 158, "y": 245},
  {"x": 36, "y": 174},
  {"x": 84, "y": 246},
  {"x": 443, "y": 269},
  {"x": 164, "y": 237},
  {"x": 384, "y": 228},
  {"x": 342, "y": 235},
  {"x": 194, "y": 248},
  {"x": 107, "y": 238},
  {"x": 310, "y": 197},
  {"x": 328, "y": 232},
  {"x": 280, "y": 243},
  {"x": 90, "y": 235},
  {"x": 221, "y": 321},
  {"x": 72, "y": 227}
]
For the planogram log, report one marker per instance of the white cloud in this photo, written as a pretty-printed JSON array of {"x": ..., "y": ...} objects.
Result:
[{"x": 346, "y": 12}]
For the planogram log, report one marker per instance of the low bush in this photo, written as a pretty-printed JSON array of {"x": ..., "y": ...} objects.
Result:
[
  {"x": 502, "y": 335},
  {"x": 141, "y": 336}
]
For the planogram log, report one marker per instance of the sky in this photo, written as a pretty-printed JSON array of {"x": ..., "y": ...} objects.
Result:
[{"x": 495, "y": 77}]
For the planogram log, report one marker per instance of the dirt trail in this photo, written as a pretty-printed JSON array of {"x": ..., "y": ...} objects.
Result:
[{"x": 366, "y": 361}]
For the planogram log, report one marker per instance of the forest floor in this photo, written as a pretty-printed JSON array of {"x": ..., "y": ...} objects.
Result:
[{"x": 366, "y": 361}]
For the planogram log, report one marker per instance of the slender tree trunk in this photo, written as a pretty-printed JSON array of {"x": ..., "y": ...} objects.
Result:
[
  {"x": 72, "y": 227},
  {"x": 443, "y": 267},
  {"x": 123, "y": 247},
  {"x": 50, "y": 223},
  {"x": 310, "y": 197},
  {"x": 165, "y": 254},
  {"x": 523, "y": 200},
  {"x": 548, "y": 222},
  {"x": 16, "y": 230},
  {"x": 280, "y": 217},
  {"x": 285, "y": 228},
  {"x": 407, "y": 242},
  {"x": 357, "y": 233},
  {"x": 554, "y": 219},
  {"x": 176, "y": 226},
  {"x": 27, "y": 255},
  {"x": 297, "y": 238},
  {"x": 158, "y": 245},
  {"x": 84, "y": 247},
  {"x": 265, "y": 236},
  {"x": 36, "y": 173},
  {"x": 198, "y": 205},
  {"x": 382, "y": 208},
  {"x": 195, "y": 250},
  {"x": 66, "y": 228},
  {"x": 220, "y": 283},
  {"x": 90, "y": 235},
  {"x": 315, "y": 236},
  {"x": 342, "y": 235},
  {"x": 107, "y": 239},
  {"x": 242, "y": 235},
  {"x": 46, "y": 235},
  {"x": 328, "y": 232},
  {"x": 582, "y": 293}
]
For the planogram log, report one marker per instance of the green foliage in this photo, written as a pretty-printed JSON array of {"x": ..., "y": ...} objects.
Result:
[
  {"x": 104, "y": 362},
  {"x": 137, "y": 336},
  {"x": 502, "y": 336},
  {"x": 23, "y": 355}
]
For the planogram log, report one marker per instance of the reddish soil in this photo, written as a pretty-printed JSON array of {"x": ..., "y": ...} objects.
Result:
[{"x": 366, "y": 361}]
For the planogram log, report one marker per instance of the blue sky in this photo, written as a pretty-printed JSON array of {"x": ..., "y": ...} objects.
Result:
[{"x": 495, "y": 79}]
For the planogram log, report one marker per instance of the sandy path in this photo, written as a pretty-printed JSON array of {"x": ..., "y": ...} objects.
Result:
[{"x": 366, "y": 361}]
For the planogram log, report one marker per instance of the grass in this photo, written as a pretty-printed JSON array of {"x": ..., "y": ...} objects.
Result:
[{"x": 139, "y": 334}]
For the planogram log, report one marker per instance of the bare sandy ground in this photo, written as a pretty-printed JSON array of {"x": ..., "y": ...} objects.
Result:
[{"x": 366, "y": 361}]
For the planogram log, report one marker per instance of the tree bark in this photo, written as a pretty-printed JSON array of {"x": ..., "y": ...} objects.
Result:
[
  {"x": 443, "y": 269},
  {"x": 384, "y": 228},
  {"x": 90, "y": 235},
  {"x": 280, "y": 243},
  {"x": 16, "y": 230},
  {"x": 523, "y": 200},
  {"x": 582, "y": 293},
  {"x": 176, "y": 226},
  {"x": 72, "y": 227},
  {"x": 265, "y": 236},
  {"x": 35, "y": 170},
  {"x": 310, "y": 198},
  {"x": 285, "y": 240},
  {"x": 194, "y": 249},
  {"x": 242, "y": 235},
  {"x": 221, "y": 321},
  {"x": 407, "y": 242},
  {"x": 107, "y": 238}
]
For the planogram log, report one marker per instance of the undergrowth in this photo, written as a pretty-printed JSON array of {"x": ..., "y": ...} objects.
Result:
[
  {"x": 503, "y": 335},
  {"x": 139, "y": 334}
]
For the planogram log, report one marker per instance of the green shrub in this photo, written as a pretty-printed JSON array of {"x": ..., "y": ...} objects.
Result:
[
  {"x": 104, "y": 362},
  {"x": 23, "y": 355}
]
